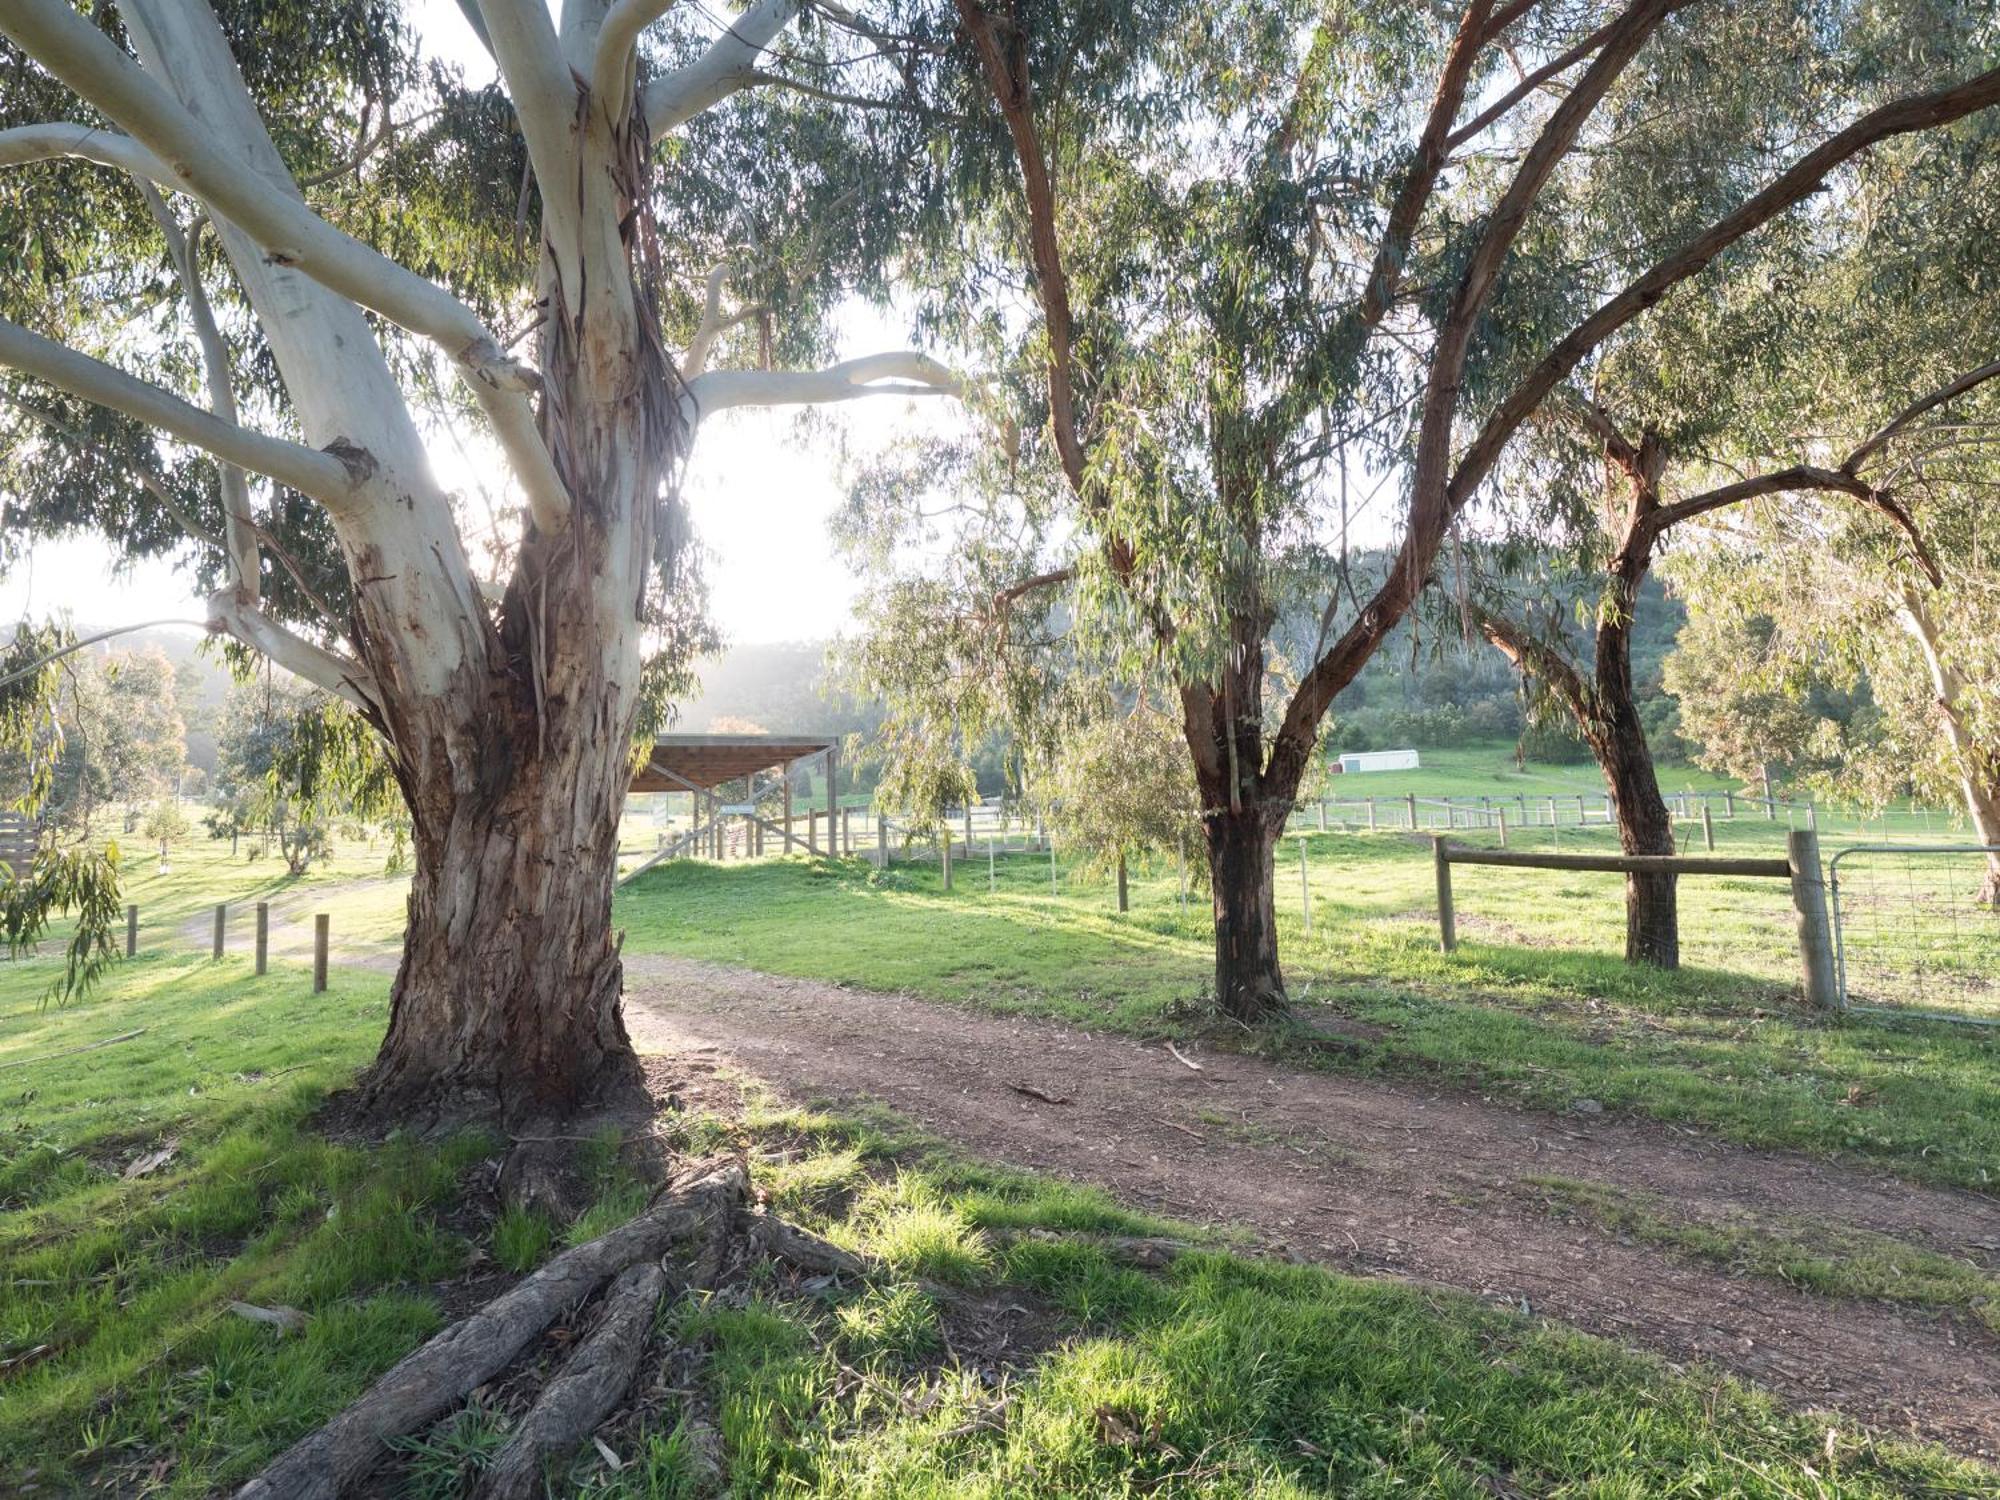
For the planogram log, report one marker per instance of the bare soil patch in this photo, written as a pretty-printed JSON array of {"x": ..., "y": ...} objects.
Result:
[{"x": 1382, "y": 1177}]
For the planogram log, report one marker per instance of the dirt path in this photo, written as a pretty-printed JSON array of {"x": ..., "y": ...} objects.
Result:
[{"x": 1383, "y": 1177}]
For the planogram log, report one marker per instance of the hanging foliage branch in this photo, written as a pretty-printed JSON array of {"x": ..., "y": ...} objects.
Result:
[{"x": 76, "y": 881}]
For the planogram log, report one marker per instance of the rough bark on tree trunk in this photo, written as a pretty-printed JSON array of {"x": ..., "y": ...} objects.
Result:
[
  {"x": 1652, "y": 902},
  {"x": 1241, "y": 846},
  {"x": 507, "y": 1000}
]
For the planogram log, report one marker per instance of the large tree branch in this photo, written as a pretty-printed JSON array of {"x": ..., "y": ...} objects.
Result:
[
  {"x": 907, "y": 374},
  {"x": 524, "y": 45},
  {"x": 1777, "y": 481},
  {"x": 88, "y": 61},
  {"x": 307, "y": 470},
  {"x": 1803, "y": 477},
  {"x": 24, "y": 144},
  {"x": 615, "y": 63},
  {"x": 1004, "y": 599},
  {"x": 1534, "y": 657},
  {"x": 1378, "y": 292},
  {"x": 229, "y": 612},
  {"x": 729, "y": 64},
  {"x": 1804, "y": 178},
  {"x": 1004, "y": 61},
  {"x": 1951, "y": 392}
]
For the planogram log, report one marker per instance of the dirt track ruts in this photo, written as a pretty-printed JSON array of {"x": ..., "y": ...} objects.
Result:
[{"x": 1385, "y": 1177}]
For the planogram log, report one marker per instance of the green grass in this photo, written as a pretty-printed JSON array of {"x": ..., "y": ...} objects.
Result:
[
  {"x": 1833, "y": 1261},
  {"x": 1543, "y": 1022},
  {"x": 1219, "y": 1377},
  {"x": 116, "y": 1315}
]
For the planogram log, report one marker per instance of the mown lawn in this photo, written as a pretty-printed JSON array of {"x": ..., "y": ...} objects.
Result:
[{"x": 122, "y": 1368}]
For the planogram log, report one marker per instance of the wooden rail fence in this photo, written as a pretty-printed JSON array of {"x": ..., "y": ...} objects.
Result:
[{"x": 1801, "y": 866}]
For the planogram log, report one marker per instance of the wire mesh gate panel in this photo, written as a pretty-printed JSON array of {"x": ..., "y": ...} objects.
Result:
[{"x": 1913, "y": 933}]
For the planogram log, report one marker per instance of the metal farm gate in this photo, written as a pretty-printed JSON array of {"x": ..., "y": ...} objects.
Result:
[{"x": 1912, "y": 934}]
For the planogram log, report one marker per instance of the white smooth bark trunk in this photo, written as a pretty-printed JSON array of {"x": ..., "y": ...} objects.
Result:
[{"x": 1978, "y": 769}]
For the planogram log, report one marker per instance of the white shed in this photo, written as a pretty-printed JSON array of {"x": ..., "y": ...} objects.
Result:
[{"x": 1378, "y": 760}]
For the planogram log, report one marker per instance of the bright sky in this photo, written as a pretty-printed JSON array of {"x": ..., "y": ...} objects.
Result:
[{"x": 760, "y": 499}]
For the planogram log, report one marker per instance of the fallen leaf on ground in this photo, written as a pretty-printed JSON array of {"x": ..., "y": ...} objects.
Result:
[
  {"x": 284, "y": 1319},
  {"x": 152, "y": 1161}
]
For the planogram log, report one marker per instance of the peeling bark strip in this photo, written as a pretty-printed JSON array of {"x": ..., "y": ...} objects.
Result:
[{"x": 439, "y": 1375}]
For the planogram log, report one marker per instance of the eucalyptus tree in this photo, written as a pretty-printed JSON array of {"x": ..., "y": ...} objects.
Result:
[
  {"x": 1227, "y": 259},
  {"x": 112, "y": 733},
  {"x": 1842, "y": 416},
  {"x": 1648, "y": 496},
  {"x": 270, "y": 249},
  {"x": 1839, "y": 596},
  {"x": 1850, "y": 611}
]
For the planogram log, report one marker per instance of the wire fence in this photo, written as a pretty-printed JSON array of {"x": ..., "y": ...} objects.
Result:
[{"x": 1916, "y": 930}]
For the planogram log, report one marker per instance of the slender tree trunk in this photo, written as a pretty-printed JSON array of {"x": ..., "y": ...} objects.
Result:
[
  {"x": 1244, "y": 805},
  {"x": 1241, "y": 847},
  {"x": 1978, "y": 770},
  {"x": 1652, "y": 902},
  {"x": 1618, "y": 739}
]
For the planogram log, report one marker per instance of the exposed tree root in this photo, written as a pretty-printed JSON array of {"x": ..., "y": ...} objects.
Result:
[
  {"x": 590, "y": 1384},
  {"x": 438, "y": 1376},
  {"x": 700, "y": 1234}
]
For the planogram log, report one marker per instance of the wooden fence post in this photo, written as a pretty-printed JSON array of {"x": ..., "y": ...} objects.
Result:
[
  {"x": 832, "y": 803},
  {"x": 131, "y": 932},
  {"x": 1729, "y": 804},
  {"x": 1501, "y": 813},
  {"x": 1447, "y": 920},
  {"x": 1305, "y": 890},
  {"x": 882, "y": 841},
  {"x": 221, "y": 917},
  {"x": 944, "y": 853},
  {"x": 1322, "y": 815},
  {"x": 321, "y": 924},
  {"x": 968, "y": 829},
  {"x": 263, "y": 936},
  {"x": 1707, "y": 827},
  {"x": 1371, "y": 814},
  {"x": 1822, "y": 984},
  {"x": 1124, "y": 895},
  {"x": 1412, "y": 800},
  {"x": 788, "y": 812}
]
